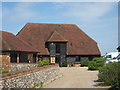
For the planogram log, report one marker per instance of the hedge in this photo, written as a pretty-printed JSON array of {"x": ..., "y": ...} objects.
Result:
[
  {"x": 96, "y": 63},
  {"x": 84, "y": 63},
  {"x": 110, "y": 74}
]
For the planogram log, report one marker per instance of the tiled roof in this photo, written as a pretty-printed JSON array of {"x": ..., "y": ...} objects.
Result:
[
  {"x": 56, "y": 37},
  {"x": 78, "y": 43},
  {"x": 12, "y": 43}
]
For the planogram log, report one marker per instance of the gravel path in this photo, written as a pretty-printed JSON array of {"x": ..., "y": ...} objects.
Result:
[{"x": 75, "y": 77}]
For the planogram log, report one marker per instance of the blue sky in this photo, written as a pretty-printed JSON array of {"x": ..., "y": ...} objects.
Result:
[{"x": 97, "y": 19}]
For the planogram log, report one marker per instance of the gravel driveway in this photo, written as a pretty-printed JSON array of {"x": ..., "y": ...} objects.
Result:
[{"x": 75, "y": 77}]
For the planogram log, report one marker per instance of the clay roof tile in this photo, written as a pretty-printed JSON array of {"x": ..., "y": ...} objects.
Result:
[
  {"x": 78, "y": 42},
  {"x": 12, "y": 43}
]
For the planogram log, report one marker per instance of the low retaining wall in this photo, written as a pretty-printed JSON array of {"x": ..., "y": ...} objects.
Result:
[
  {"x": 21, "y": 66},
  {"x": 28, "y": 78}
]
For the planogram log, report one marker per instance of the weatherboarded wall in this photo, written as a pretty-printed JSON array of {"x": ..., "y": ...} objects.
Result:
[{"x": 29, "y": 78}]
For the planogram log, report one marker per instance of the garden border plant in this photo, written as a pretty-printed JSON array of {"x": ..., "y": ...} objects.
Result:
[
  {"x": 43, "y": 62},
  {"x": 38, "y": 85},
  {"x": 64, "y": 64}
]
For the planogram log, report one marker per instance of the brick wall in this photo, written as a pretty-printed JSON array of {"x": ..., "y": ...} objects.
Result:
[
  {"x": 30, "y": 57},
  {"x": 5, "y": 61}
]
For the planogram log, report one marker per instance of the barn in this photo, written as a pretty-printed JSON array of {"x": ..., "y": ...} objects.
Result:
[{"x": 59, "y": 42}]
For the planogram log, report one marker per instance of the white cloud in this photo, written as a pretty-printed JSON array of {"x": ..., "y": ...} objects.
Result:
[
  {"x": 20, "y": 12},
  {"x": 85, "y": 12}
]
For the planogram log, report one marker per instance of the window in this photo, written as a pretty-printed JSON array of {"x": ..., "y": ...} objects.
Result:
[
  {"x": 108, "y": 56},
  {"x": 57, "y": 48},
  {"x": 118, "y": 57}
]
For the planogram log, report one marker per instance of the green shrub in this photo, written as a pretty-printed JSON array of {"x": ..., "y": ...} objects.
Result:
[
  {"x": 64, "y": 64},
  {"x": 85, "y": 63},
  {"x": 40, "y": 63},
  {"x": 110, "y": 74},
  {"x": 44, "y": 62},
  {"x": 3, "y": 72},
  {"x": 93, "y": 66},
  {"x": 38, "y": 85},
  {"x": 96, "y": 63}
]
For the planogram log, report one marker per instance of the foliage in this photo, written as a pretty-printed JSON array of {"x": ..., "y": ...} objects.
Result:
[
  {"x": 85, "y": 63},
  {"x": 3, "y": 72},
  {"x": 0, "y": 65},
  {"x": 0, "y": 68},
  {"x": 96, "y": 63},
  {"x": 38, "y": 85},
  {"x": 64, "y": 64},
  {"x": 43, "y": 62},
  {"x": 110, "y": 74}
]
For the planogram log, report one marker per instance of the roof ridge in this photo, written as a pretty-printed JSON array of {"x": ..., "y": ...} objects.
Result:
[{"x": 51, "y": 23}]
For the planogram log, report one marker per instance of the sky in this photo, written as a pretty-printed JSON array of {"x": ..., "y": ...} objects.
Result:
[{"x": 99, "y": 20}]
